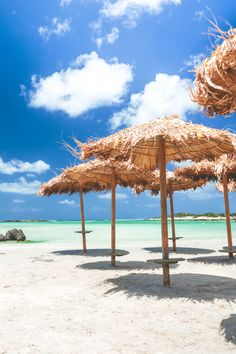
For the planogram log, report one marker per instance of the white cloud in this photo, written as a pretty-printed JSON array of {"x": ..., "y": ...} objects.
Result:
[
  {"x": 23, "y": 91},
  {"x": 167, "y": 94},
  {"x": 67, "y": 202},
  {"x": 131, "y": 10},
  {"x": 199, "y": 15},
  {"x": 205, "y": 193},
  {"x": 89, "y": 83},
  {"x": 110, "y": 38},
  {"x": 65, "y": 2},
  {"x": 96, "y": 26},
  {"x": 18, "y": 166},
  {"x": 21, "y": 186},
  {"x": 58, "y": 28},
  {"x": 107, "y": 196},
  {"x": 18, "y": 201},
  {"x": 194, "y": 61}
]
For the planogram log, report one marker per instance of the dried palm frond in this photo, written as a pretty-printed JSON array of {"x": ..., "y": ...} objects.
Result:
[
  {"x": 140, "y": 143},
  {"x": 95, "y": 176},
  {"x": 211, "y": 170},
  {"x": 174, "y": 183},
  {"x": 215, "y": 81},
  {"x": 231, "y": 186},
  {"x": 203, "y": 170}
]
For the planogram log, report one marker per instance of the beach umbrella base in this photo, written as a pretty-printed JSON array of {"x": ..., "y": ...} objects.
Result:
[
  {"x": 118, "y": 254},
  {"x": 230, "y": 251},
  {"x": 231, "y": 248},
  {"x": 86, "y": 232},
  {"x": 174, "y": 238},
  {"x": 166, "y": 261}
]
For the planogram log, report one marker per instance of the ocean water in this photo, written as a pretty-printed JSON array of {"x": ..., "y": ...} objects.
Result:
[{"x": 129, "y": 232}]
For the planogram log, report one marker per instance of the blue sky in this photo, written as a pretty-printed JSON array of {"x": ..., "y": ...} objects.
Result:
[{"x": 85, "y": 68}]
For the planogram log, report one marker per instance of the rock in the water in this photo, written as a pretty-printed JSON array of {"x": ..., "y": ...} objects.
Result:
[
  {"x": 2, "y": 237},
  {"x": 15, "y": 234}
]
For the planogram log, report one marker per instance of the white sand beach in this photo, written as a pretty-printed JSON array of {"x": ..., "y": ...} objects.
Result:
[{"x": 67, "y": 303}]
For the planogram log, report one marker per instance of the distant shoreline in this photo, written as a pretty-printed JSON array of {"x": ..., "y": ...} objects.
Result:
[
  {"x": 197, "y": 218},
  {"x": 194, "y": 217}
]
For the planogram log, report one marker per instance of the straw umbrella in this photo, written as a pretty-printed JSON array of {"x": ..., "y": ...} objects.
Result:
[
  {"x": 231, "y": 186},
  {"x": 222, "y": 170},
  {"x": 152, "y": 145},
  {"x": 63, "y": 184},
  {"x": 174, "y": 183},
  {"x": 215, "y": 81},
  {"x": 97, "y": 175}
]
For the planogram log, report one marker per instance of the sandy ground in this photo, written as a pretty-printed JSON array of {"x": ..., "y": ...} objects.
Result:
[{"x": 67, "y": 303}]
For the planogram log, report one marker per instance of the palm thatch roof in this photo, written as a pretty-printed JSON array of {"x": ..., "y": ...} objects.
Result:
[
  {"x": 140, "y": 143},
  {"x": 174, "y": 183},
  {"x": 211, "y": 170},
  {"x": 62, "y": 184},
  {"x": 94, "y": 176},
  {"x": 215, "y": 82},
  {"x": 231, "y": 186},
  {"x": 226, "y": 164},
  {"x": 203, "y": 170}
]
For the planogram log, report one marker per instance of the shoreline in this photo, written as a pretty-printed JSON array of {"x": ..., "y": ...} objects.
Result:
[{"x": 177, "y": 218}]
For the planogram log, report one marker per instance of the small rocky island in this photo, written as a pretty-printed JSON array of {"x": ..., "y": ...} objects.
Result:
[{"x": 13, "y": 235}]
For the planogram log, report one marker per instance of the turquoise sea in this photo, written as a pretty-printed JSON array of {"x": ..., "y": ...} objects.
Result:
[{"x": 129, "y": 232}]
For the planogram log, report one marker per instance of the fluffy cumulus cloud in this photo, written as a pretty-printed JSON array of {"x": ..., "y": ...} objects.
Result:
[
  {"x": 107, "y": 196},
  {"x": 90, "y": 82},
  {"x": 57, "y": 28},
  {"x": 67, "y": 202},
  {"x": 18, "y": 166},
  {"x": 21, "y": 186},
  {"x": 65, "y": 2},
  {"x": 109, "y": 38},
  {"x": 167, "y": 94},
  {"x": 131, "y": 10}
]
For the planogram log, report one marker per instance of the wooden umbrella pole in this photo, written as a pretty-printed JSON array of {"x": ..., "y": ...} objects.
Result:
[
  {"x": 113, "y": 218},
  {"x": 227, "y": 214},
  {"x": 82, "y": 221},
  {"x": 172, "y": 218},
  {"x": 163, "y": 200}
]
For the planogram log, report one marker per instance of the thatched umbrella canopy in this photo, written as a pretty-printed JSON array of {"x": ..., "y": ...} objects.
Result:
[
  {"x": 215, "y": 82},
  {"x": 174, "y": 183},
  {"x": 63, "y": 184},
  {"x": 226, "y": 164},
  {"x": 222, "y": 170},
  {"x": 204, "y": 169},
  {"x": 96, "y": 175},
  {"x": 152, "y": 145},
  {"x": 231, "y": 186},
  {"x": 140, "y": 143}
]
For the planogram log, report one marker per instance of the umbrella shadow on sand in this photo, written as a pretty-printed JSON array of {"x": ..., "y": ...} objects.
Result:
[
  {"x": 220, "y": 260},
  {"x": 130, "y": 265},
  {"x": 228, "y": 328},
  {"x": 103, "y": 252},
  {"x": 181, "y": 250},
  {"x": 192, "y": 287}
]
